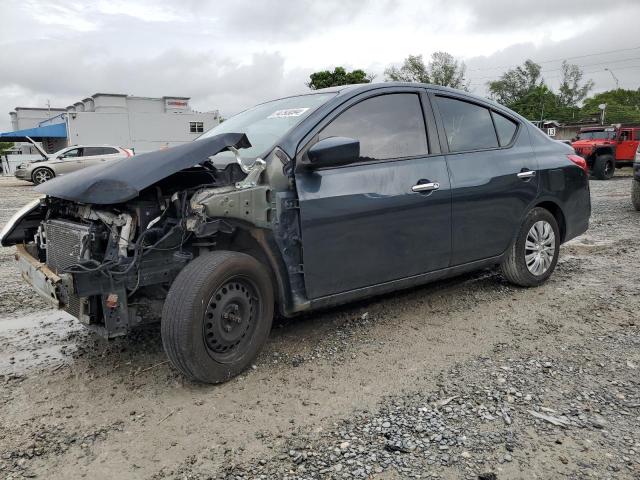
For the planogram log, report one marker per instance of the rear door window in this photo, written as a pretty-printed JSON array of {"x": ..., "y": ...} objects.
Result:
[
  {"x": 387, "y": 126},
  {"x": 93, "y": 151},
  {"x": 505, "y": 128},
  {"x": 467, "y": 126}
]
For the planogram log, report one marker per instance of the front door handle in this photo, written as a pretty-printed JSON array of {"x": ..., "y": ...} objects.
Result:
[
  {"x": 525, "y": 175},
  {"x": 425, "y": 187}
]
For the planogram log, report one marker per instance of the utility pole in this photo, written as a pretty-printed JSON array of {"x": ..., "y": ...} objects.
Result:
[
  {"x": 603, "y": 107},
  {"x": 614, "y": 77}
]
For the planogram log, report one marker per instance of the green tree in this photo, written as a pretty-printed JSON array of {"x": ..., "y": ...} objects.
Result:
[
  {"x": 4, "y": 146},
  {"x": 443, "y": 69},
  {"x": 339, "y": 76},
  {"x": 413, "y": 69},
  {"x": 571, "y": 92},
  {"x": 515, "y": 84},
  {"x": 539, "y": 103},
  {"x": 622, "y": 106}
]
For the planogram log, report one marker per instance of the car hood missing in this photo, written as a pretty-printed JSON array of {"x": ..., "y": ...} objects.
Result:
[{"x": 120, "y": 181}]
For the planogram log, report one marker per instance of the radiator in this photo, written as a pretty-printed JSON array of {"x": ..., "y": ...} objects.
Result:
[{"x": 65, "y": 242}]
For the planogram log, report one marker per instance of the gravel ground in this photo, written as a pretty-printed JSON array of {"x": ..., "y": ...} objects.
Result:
[{"x": 467, "y": 378}]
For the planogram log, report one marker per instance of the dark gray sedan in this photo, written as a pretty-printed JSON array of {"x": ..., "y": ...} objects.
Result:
[{"x": 298, "y": 204}]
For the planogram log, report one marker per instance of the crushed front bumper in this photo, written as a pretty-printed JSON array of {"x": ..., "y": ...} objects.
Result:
[{"x": 52, "y": 287}]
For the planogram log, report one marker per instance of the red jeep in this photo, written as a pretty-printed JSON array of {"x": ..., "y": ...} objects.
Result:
[{"x": 605, "y": 148}]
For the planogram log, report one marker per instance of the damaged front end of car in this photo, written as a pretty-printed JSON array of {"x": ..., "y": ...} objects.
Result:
[{"x": 105, "y": 243}]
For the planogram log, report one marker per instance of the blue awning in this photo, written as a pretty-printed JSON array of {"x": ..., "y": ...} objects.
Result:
[{"x": 57, "y": 130}]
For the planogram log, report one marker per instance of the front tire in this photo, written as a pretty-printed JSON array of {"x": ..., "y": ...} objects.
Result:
[
  {"x": 41, "y": 175},
  {"x": 217, "y": 315},
  {"x": 604, "y": 167},
  {"x": 635, "y": 194},
  {"x": 532, "y": 257}
]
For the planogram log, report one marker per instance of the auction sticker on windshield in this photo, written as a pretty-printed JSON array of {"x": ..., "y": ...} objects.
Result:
[{"x": 289, "y": 112}]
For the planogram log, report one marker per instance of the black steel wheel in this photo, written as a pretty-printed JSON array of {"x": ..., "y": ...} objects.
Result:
[
  {"x": 217, "y": 315},
  {"x": 231, "y": 318}
]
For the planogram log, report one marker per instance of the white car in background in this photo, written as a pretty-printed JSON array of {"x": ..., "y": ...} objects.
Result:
[{"x": 67, "y": 160}]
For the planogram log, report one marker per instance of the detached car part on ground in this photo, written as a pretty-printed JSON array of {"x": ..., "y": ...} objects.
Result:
[
  {"x": 317, "y": 200},
  {"x": 67, "y": 160}
]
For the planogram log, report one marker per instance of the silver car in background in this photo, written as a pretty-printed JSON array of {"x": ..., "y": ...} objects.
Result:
[{"x": 68, "y": 160}]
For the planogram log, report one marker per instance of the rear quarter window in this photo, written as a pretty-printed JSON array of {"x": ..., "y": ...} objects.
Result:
[
  {"x": 467, "y": 126},
  {"x": 505, "y": 128}
]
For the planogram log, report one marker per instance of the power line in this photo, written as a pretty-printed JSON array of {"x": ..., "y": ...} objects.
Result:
[
  {"x": 559, "y": 59},
  {"x": 627, "y": 67},
  {"x": 610, "y": 62}
]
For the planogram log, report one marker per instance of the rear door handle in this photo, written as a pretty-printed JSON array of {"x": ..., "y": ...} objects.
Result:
[
  {"x": 527, "y": 174},
  {"x": 425, "y": 187}
]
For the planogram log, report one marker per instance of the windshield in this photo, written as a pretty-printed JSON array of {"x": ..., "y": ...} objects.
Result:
[
  {"x": 266, "y": 123},
  {"x": 597, "y": 135}
]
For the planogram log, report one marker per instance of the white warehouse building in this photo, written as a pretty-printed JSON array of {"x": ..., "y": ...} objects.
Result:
[{"x": 140, "y": 123}]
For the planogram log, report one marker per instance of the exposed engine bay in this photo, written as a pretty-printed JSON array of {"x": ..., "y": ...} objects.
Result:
[{"x": 111, "y": 265}]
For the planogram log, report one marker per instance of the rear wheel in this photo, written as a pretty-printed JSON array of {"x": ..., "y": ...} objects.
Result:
[
  {"x": 635, "y": 194},
  {"x": 604, "y": 167},
  {"x": 41, "y": 175},
  {"x": 217, "y": 316},
  {"x": 532, "y": 257}
]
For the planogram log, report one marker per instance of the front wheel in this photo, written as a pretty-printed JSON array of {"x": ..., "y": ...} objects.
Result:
[
  {"x": 635, "y": 194},
  {"x": 604, "y": 167},
  {"x": 533, "y": 255},
  {"x": 217, "y": 315},
  {"x": 41, "y": 175}
]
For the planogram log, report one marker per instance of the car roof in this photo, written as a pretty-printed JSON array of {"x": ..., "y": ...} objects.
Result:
[{"x": 364, "y": 87}]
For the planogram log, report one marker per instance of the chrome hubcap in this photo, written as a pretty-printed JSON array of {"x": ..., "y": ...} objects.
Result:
[
  {"x": 42, "y": 176},
  {"x": 540, "y": 247}
]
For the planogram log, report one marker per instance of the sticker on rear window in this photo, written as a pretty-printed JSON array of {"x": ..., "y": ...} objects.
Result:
[{"x": 289, "y": 112}]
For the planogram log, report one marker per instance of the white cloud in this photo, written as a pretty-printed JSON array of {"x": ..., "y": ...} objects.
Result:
[{"x": 230, "y": 54}]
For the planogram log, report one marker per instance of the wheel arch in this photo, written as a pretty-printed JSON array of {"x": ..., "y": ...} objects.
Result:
[
  {"x": 604, "y": 151},
  {"x": 558, "y": 214},
  {"x": 260, "y": 244}
]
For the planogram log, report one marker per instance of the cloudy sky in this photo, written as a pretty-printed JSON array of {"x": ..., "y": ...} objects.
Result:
[{"x": 228, "y": 55}]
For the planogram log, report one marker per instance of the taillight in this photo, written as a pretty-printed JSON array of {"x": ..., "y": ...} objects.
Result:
[{"x": 581, "y": 162}]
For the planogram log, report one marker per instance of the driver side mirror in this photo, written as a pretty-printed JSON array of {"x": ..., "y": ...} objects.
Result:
[{"x": 334, "y": 151}]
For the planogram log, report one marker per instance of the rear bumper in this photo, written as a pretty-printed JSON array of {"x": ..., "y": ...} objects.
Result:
[{"x": 54, "y": 288}]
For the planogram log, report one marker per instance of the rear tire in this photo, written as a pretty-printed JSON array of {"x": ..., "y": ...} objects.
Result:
[
  {"x": 41, "y": 175},
  {"x": 532, "y": 257},
  {"x": 635, "y": 194},
  {"x": 604, "y": 167},
  {"x": 217, "y": 315}
]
